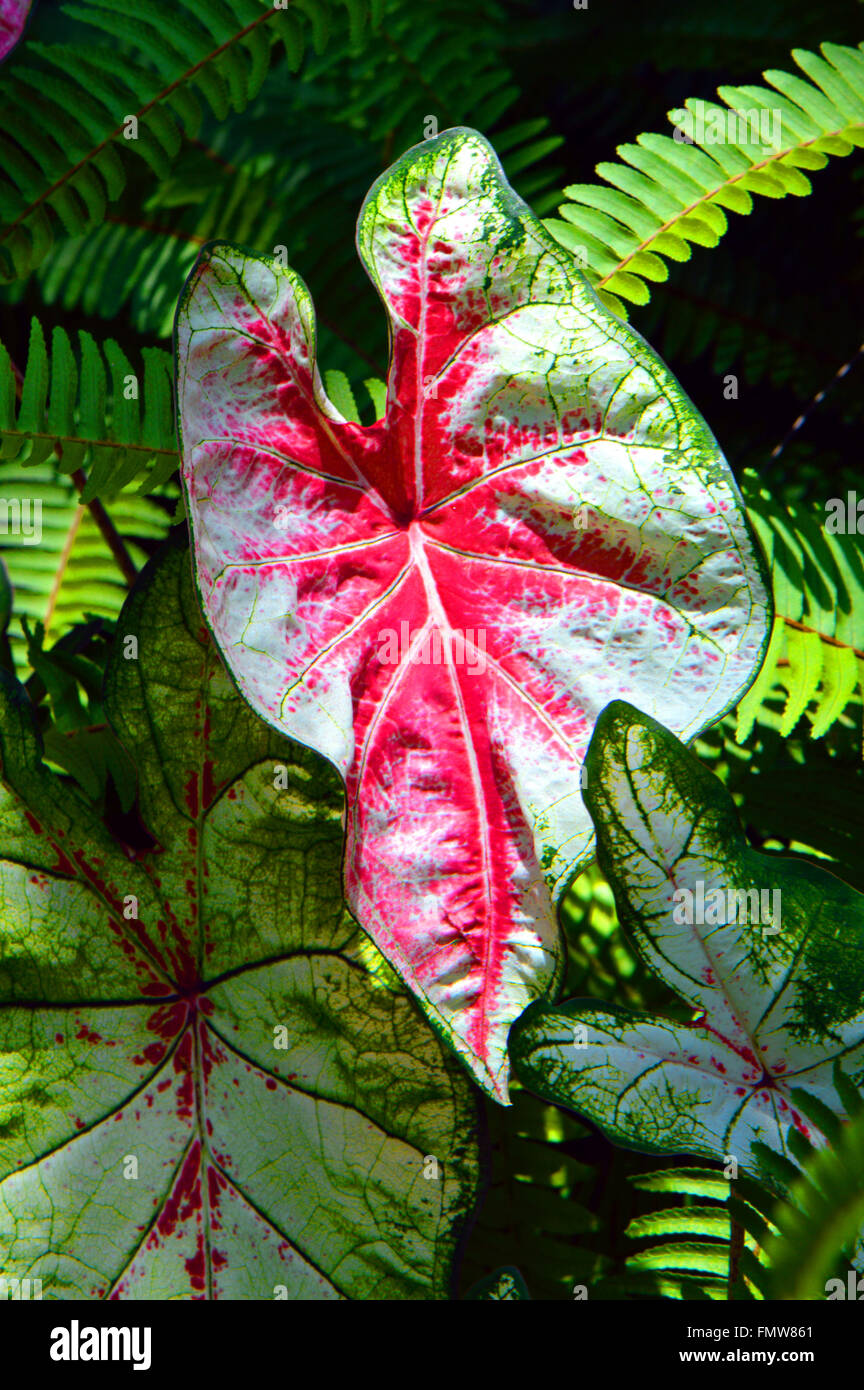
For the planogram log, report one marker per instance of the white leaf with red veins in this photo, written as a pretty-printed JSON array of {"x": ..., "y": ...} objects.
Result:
[{"x": 442, "y": 602}]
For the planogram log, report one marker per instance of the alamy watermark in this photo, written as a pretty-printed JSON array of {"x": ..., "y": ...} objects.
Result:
[
  {"x": 845, "y": 515},
  {"x": 22, "y": 518},
  {"x": 77, "y": 1343},
  {"x": 719, "y": 907},
  {"x": 852, "y": 1290},
  {"x": 16, "y": 1289},
  {"x": 434, "y": 647},
  {"x": 716, "y": 126}
]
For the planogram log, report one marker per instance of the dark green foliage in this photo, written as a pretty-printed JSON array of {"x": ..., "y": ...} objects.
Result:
[
  {"x": 161, "y": 68},
  {"x": 298, "y": 181},
  {"x": 816, "y": 1233},
  {"x": 535, "y": 1212}
]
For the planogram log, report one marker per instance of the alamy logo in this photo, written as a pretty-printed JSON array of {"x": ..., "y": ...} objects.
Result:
[
  {"x": 75, "y": 1343},
  {"x": 760, "y": 126},
  {"x": 845, "y": 515},
  {"x": 22, "y": 518},
  {"x": 434, "y": 648},
  {"x": 717, "y": 907},
  {"x": 17, "y": 1289},
  {"x": 853, "y": 1289}
]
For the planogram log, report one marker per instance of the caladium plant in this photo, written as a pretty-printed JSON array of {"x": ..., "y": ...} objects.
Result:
[
  {"x": 441, "y": 602},
  {"x": 768, "y": 950},
  {"x": 203, "y": 1092},
  {"x": 13, "y": 17}
]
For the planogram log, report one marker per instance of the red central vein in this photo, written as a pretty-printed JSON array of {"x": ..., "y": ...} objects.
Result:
[{"x": 437, "y": 612}]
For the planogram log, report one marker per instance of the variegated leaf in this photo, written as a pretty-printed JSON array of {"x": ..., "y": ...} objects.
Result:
[
  {"x": 769, "y": 952},
  {"x": 203, "y": 1091},
  {"x": 443, "y": 601}
]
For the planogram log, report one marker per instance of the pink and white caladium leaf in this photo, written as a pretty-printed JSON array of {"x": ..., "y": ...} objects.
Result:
[
  {"x": 13, "y": 17},
  {"x": 204, "y": 1093},
  {"x": 442, "y": 602},
  {"x": 768, "y": 951}
]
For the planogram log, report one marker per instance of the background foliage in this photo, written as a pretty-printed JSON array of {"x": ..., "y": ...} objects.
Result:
[{"x": 266, "y": 127}]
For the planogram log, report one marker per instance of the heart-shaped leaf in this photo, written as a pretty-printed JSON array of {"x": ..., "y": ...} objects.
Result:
[
  {"x": 203, "y": 1092},
  {"x": 768, "y": 950},
  {"x": 13, "y": 17},
  {"x": 443, "y": 601}
]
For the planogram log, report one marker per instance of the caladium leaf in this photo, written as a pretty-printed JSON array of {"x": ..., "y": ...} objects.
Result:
[
  {"x": 443, "y": 601},
  {"x": 13, "y": 17},
  {"x": 203, "y": 1093},
  {"x": 768, "y": 950}
]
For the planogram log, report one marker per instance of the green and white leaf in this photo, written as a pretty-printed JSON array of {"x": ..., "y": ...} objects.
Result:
[
  {"x": 779, "y": 995},
  {"x": 203, "y": 1093}
]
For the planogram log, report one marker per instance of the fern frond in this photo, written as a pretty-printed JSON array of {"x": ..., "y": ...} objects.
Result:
[
  {"x": 447, "y": 67},
  {"x": 90, "y": 410},
  {"x": 685, "y": 1182},
  {"x": 116, "y": 267},
  {"x": 71, "y": 572},
  {"x": 690, "y": 1248},
  {"x": 818, "y": 1226},
  {"x": 665, "y": 195},
  {"x": 776, "y": 1238},
  {"x": 297, "y": 182},
  {"x": 816, "y": 652},
  {"x": 138, "y": 260},
  {"x": 146, "y": 81},
  {"x": 684, "y": 1221}
]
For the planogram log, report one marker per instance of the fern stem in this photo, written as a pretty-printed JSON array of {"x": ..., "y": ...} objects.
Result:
[
  {"x": 829, "y": 641},
  {"x": 817, "y": 400},
  {"x": 736, "y": 1249},
  {"x": 61, "y": 565},
  {"x": 60, "y": 439},
  {"x": 110, "y": 534},
  {"x": 108, "y": 530},
  {"x": 137, "y": 224}
]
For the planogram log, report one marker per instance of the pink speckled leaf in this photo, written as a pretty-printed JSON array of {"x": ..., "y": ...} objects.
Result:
[
  {"x": 13, "y": 16},
  {"x": 768, "y": 951},
  {"x": 203, "y": 1091},
  {"x": 443, "y": 601}
]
